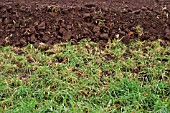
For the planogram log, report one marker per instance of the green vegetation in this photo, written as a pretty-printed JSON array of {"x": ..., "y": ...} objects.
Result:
[{"x": 86, "y": 78}]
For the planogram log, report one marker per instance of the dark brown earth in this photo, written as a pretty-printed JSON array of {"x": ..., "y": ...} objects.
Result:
[{"x": 54, "y": 21}]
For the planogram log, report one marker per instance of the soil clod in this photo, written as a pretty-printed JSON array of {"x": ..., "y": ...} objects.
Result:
[{"x": 44, "y": 21}]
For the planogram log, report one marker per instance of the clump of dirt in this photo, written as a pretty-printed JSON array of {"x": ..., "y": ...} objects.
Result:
[{"x": 54, "y": 21}]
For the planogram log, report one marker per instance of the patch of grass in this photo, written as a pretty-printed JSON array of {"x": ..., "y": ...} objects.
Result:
[{"x": 83, "y": 78}]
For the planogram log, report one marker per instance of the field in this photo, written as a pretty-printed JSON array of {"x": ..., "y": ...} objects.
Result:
[{"x": 84, "y": 56}]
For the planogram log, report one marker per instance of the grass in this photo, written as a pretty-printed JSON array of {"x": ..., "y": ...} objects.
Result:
[{"x": 84, "y": 78}]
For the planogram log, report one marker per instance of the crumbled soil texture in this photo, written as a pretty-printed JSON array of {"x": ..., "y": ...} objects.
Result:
[{"x": 54, "y": 21}]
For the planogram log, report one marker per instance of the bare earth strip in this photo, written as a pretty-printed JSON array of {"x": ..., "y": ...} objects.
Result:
[{"x": 54, "y": 21}]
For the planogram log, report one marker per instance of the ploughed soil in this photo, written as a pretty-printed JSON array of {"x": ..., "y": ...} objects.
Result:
[{"x": 53, "y": 21}]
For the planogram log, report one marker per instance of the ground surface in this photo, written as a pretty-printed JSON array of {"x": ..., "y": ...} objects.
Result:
[
  {"x": 54, "y": 21},
  {"x": 82, "y": 78}
]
